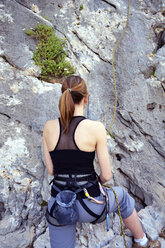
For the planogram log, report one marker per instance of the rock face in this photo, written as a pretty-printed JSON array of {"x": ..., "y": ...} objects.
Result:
[{"x": 137, "y": 148}]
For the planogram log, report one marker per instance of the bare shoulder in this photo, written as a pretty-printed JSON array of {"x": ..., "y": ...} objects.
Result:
[
  {"x": 96, "y": 126},
  {"x": 100, "y": 129},
  {"x": 50, "y": 124}
]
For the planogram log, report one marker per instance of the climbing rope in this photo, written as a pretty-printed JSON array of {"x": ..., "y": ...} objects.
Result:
[
  {"x": 114, "y": 114},
  {"x": 113, "y": 69},
  {"x": 121, "y": 222}
]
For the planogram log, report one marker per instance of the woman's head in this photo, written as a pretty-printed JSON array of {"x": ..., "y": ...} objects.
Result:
[{"x": 73, "y": 89}]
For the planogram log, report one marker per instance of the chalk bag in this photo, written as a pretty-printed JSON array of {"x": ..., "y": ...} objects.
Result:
[{"x": 64, "y": 209}]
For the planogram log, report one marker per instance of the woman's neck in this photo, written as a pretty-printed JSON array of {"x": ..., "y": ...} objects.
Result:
[{"x": 79, "y": 110}]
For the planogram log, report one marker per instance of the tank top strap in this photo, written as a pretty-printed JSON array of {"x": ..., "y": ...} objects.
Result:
[
  {"x": 74, "y": 130},
  {"x": 60, "y": 127}
]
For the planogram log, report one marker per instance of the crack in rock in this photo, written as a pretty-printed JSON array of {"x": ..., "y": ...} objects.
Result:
[
  {"x": 149, "y": 139},
  {"x": 75, "y": 54},
  {"x": 155, "y": 148},
  {"x": 163, "y": 87},
  {"x": 35, "y": 14},
  {"x": 9, "y": 62},
  {"x": 82, "y": 41},
  {"x": 86, "y": 67},
  {"x": 22, "y": 4},
  {"x": 5, "y": 115},
  {"x": 111, "y": 4}
]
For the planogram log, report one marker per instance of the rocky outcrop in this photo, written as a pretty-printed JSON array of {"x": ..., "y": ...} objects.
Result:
[{"x": 137, "y": 148}]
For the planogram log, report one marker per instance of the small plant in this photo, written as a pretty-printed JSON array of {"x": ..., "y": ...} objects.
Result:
[
  {"x": 153, "y": 72},
  {"x": 112, "y": 135},
  {"x": 43, "y": 203},
  {"x": 50, "y": 53},
  {"x": 81, "y": 7}
]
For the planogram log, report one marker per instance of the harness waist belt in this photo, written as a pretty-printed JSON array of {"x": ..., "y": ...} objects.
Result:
[
  {"x": 76, "y": 178},
  {"x": 93, "y": 190}
]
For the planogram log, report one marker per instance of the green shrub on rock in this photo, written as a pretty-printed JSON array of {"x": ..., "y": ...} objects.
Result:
[
  {"x": 81, "y": 7},
  {"x": 50, "y": 53}
]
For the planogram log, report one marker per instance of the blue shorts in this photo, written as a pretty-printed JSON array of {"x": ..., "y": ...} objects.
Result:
[{"x": 65, "y": 236}]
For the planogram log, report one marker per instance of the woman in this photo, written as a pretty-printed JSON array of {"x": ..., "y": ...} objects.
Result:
[{"x": 70, "y": 143}]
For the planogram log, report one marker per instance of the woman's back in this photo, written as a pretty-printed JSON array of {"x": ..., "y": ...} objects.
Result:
[
  {"x": 89, "y": 136},
  {"x": 85, "y": 135},
  {"x": 66, "y": 156}
]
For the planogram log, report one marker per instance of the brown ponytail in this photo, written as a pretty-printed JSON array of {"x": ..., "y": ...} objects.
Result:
[{"x": 73, "y": 90}]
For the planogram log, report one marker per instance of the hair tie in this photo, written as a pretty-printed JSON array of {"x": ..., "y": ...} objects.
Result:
[{"x": 69, "y": 89}]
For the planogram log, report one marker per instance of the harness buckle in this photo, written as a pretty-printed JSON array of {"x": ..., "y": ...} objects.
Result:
[{"x": 71, "y": 183}]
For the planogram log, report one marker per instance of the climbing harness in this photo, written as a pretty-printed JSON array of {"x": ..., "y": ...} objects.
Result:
[
  {"x": 63, "y": 211},
  {"x": 91, "y": 198},
  {"x": 113, "y": 69}
]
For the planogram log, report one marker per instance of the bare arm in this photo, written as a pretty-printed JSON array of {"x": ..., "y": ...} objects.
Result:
[
  {"x": 102, "y": 153},
  {"x": 48, "y": 160}
]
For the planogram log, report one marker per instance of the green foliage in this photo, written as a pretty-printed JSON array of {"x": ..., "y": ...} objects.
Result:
[
  {"x": 50, "y": 53},
  {"x": 153, "y": 72},
  {"x": 112, "y": 135},
  {"x": 81, "y": 7},
  {"x": 29, "y": 32},
  {"x": 43, "y": 203}
]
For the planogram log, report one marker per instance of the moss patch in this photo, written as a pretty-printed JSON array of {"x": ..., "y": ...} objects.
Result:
[
  {"x": 152, "y": 73},
  {"x": 81, "y": 7},
  {"x": 50, "y": 54},
  {"x": 43, "y": 203}
]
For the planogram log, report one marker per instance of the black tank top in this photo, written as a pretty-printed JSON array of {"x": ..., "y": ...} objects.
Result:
[{"x": 67, "y": 158}]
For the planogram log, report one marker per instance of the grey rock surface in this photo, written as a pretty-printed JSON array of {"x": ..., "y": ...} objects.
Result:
[
  {"x": 152, "y": 219},
  {"x": 25, "y": 98},
  {"x": 43, "y": 240},
  {"x": 137, "y": 148}
]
